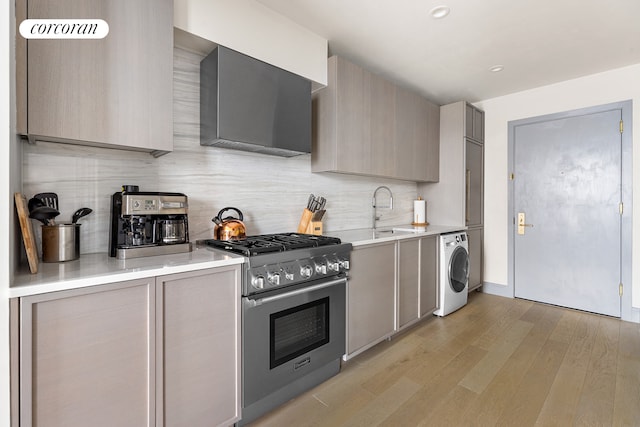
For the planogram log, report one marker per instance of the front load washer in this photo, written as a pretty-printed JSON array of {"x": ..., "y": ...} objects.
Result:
[{"x": 454, "y": 272}]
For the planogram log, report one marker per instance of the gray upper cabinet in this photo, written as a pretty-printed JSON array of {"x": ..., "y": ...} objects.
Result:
[
  {"x": 365, "y": 125},
  {"x": 417, "y": 124},
  {"x": 115, "y": 92},
  {"x": 458, "y": 197},
  {"x": 474, "y": 123}
]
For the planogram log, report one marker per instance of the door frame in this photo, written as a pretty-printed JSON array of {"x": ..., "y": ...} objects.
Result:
[{"x": 626, "y": 311}]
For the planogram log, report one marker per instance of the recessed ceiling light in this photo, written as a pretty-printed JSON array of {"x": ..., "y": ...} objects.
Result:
[
  {"x": 496, "y": 68},
  {"x": 439, "y": 12}
]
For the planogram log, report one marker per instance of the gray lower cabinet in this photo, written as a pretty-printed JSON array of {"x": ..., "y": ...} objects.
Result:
[
  {"x": 417, "y": 279},
  {"x": 428, "y": 275},
  {"x": 391, "y": 286},
  {"x": 366, "y": 125},
  {"x": 475, "y": 237},
  {"x": 162, "y": 351},
  {"x": 370, "y": 296},
  {"x": 200, "y": 357},
  {"x": 87, "y": 356},
  {"x": 115, "y": 92},
  {"x": 408, "y": 281}
]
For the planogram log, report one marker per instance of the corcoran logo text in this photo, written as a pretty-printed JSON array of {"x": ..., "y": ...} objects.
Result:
[{"x": 64, "y": 28}]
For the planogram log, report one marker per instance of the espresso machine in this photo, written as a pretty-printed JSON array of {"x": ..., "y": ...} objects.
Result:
[{"x": 148, "y": 223}]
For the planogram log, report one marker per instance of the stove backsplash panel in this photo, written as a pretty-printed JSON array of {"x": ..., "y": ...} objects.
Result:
[{"x": 270, "y": 191}]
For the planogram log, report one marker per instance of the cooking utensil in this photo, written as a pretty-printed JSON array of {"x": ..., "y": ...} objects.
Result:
[
  {"x": 35, "y": 203},
  {"x": 80, "y": 213},
  {"x": 317, "y": 216},
  {"x": 315, "y": 204},
  {"x": 49, "y": 199},
  {"x": 229, "y": 228},
  {"x": 321, "y": 202},
  {"x": 44, "y": 214}
]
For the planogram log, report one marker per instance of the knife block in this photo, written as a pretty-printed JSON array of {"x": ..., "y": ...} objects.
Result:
[
  {"x": 305, "y": 220},
  {"x": 314, "y": 227}
]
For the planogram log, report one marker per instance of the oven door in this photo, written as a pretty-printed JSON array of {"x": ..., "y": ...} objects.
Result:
[{"x": 291, "y": 334}]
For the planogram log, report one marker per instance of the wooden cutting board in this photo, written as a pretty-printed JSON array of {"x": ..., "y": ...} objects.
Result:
[{"x": 27, "y": 232}]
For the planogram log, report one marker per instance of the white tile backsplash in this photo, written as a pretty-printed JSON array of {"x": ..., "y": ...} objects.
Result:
[{"x": 270, "y": 191}]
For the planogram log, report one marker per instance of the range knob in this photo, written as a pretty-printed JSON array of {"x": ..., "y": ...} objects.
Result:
[
  {"x": 274, "y": 278},
  {"x": 258, "y": 282},
  {"x": 306, "y": 271},
  {"x": 344, "y": 264},
  {"x": 321, "y": 269},
  {"x": 333, "y": 266},
  {"x": 289, "y": 276}
]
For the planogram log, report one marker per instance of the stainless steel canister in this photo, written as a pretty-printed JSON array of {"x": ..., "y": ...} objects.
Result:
[{"x": 60, "y": 242}]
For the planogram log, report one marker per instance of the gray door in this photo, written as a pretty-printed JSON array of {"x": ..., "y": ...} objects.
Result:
[{"x": 567, "y": 194}]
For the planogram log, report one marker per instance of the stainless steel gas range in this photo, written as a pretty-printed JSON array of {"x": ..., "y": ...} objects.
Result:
[{"x": 293, "y": 315}]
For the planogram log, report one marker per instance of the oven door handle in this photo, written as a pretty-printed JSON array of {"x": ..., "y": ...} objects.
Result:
[{"x": 334, "y": 282}]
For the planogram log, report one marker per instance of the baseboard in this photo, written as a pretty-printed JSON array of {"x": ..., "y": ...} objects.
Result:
[
  {"x": 634, "y": 315},
  {"x": 496, "y": 289}
]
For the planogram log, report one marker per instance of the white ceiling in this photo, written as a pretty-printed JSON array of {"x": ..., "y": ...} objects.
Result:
[{"x": 538, "y": 42}]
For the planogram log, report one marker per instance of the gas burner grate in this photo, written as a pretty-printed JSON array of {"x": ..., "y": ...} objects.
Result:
[{"x": 268, "y": 243}]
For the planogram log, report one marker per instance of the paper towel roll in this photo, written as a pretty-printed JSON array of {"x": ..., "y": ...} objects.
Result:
[{"x": 419, "y": 212}]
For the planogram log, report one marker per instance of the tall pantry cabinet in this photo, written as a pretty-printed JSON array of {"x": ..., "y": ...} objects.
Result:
[{"x": 458, "y": 198}]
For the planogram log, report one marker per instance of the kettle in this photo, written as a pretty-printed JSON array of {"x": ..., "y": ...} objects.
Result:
[{"x": 228, "y": 228}]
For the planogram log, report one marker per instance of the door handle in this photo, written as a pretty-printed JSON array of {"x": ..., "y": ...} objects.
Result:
[{"x": 522, "y": 223}]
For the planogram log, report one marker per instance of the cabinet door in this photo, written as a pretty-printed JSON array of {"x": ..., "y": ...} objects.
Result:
[
  {"x": 87, "y": 356},
  {"x": 348, "y": 143},
  {"x": 200, "y": 357},
  {"x": 371, "y": 295},
  {"x": 379, "y": 101},
  {"x": 416, "y": 137},
  {"x": 408, "y": 281},
  {"x": 428, "y": 275},
  {"x": 475, "y": 257},
  {"x": 114, "y": 91},
  {"x": 474, "y": 123},
  {"x": 474, "y": 177}
]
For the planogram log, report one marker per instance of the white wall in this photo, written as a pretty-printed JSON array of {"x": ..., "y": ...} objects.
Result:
[
  {"x": 603, "y": 88},
  {"x": 255, "y": 30}
]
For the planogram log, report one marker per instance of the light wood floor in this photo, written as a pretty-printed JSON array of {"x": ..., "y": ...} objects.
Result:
[{"x": 497, "y": 361}]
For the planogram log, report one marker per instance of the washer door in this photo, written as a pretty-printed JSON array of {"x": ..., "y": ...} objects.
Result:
[{"x": 459, "y": 269}]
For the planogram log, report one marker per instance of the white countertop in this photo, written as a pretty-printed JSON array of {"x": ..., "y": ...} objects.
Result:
[
  {"x": 100, "y": 268},
  {"x": 366, "y": 236}
]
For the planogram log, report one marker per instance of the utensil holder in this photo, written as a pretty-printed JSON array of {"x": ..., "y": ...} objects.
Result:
[{"x": 60, "y": 242}]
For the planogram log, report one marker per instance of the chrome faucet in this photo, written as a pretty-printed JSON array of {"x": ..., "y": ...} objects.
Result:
[{"x": 375, "y": 206}]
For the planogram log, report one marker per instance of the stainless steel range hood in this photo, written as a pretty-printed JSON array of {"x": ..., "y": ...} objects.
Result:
[{"x": 249, "y": 105}]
